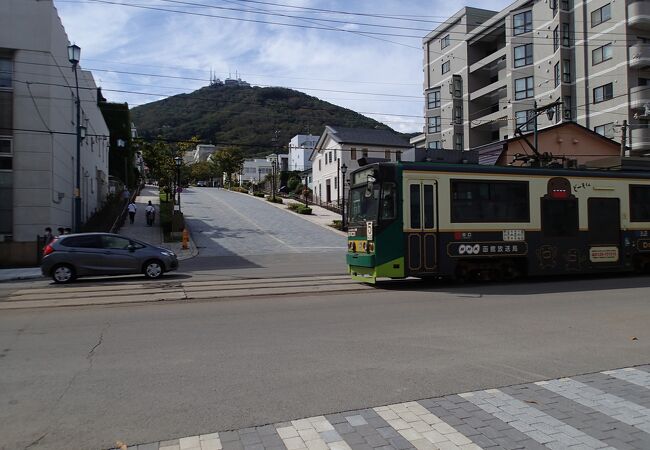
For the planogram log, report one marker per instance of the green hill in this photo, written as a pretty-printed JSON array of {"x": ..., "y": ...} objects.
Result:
[{"x": 244, "y": 116}]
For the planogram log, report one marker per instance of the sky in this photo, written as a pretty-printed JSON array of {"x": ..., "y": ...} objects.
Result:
[{"x": 144, "y": 50}]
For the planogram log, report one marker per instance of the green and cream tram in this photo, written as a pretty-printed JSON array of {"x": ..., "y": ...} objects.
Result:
[{"x": 488, "y": 222}]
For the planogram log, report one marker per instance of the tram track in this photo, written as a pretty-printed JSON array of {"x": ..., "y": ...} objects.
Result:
[{"x": 143, "y": 292}]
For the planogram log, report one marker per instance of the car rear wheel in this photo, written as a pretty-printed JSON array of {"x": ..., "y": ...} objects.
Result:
[
  {"x": 153, "y": 269},
  {"x": 63, "y": 273}
]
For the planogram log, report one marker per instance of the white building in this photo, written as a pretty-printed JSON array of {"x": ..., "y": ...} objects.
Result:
[
  {"x": 300, "y": 148},
  {"x": 338, "y": 146},
  {"x": 38, "y": 130},
  {"x": 255, "y": 170},
  {"x": 281, "y": 158}
]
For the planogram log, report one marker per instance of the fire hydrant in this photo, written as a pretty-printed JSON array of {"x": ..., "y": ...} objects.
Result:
[{"x": 186, "y": 238}]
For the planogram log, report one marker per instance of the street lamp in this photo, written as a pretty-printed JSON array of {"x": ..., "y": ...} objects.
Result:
[
  {"x": 74, "y": 55},
  {"x": 178, "y": 161},
  {"x": 273, "y": 164},
  {"x": 344, "y": 169}
]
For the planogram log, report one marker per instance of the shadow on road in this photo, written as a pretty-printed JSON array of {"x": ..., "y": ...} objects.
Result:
[{"x": 530, "y": 286}]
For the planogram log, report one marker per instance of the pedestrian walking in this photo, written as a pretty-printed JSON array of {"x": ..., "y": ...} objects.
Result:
[
  {"x": 61, "y": 231},
  {"x": 132, "y": 209},
  {"x": 150, "y": 211},
  {"x": 48, "y": 237},
  {"x": 126, "y": 195},
  {"x": 67, "y": 230}
]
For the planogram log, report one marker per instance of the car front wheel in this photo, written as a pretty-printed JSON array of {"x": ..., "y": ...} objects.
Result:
[
  {"x": 153, "y": 269},
  {"x": 63, "y": 273}
]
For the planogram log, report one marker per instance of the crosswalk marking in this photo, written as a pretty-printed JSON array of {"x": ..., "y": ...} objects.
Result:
[
  {"x": 313, "y": 433},
  {"x": 631, "y": 375},
  {"x": 424, "y": 430},
  {"x": 534, "y": 423},
  {"x": 616, "y": 407}
]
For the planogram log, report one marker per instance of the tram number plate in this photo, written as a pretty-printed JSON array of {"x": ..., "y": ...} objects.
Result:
[
  {"x": 369, "y": 231},
  {"x": 463, "y": 249}
]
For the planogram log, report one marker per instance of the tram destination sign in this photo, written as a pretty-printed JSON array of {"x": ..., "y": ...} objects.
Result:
[{"x": 464, "y": 249}]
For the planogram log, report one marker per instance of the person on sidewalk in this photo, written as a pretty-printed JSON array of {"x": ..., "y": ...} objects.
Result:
[
  {"x": 61, "y": 231},
  {"x": 150, "y": 211},
  {"x": 48, "y": 237},
  {"x": 132, "y": 209}
]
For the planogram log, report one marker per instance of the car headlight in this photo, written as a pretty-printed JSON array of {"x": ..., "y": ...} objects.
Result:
[{"x": 168, "y": 253}]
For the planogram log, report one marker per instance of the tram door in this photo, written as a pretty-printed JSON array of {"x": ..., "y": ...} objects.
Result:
[
  {"x": 604, "y": 215},
  {"x": 421, "y": 226}
]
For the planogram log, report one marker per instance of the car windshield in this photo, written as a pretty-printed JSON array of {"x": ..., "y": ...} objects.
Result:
[{"x": 364, "y": 203}]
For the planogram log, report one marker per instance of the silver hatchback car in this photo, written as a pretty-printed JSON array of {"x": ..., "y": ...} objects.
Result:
[{"x": 77, "y": 255}]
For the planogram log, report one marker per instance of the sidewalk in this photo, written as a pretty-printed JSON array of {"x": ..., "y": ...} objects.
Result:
[{"x": 153, "y": 235}]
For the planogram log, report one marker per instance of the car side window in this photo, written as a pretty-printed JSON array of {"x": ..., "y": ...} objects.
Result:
[
  {"x": 136, "y": 245},
  {"x": 91, "y": 241},
  {"x": 114, "y": 242}
]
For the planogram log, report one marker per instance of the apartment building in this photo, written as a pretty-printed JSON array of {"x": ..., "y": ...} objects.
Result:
[
  {"x": 300, "y": 148},
  {"x": 486, "y": 70},
  {"x": 38, "y": 130}
]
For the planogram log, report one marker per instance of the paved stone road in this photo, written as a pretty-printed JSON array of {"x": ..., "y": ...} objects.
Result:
[
  {"x": 606, "y": 410},
  {"x": 225, "y": 223}
]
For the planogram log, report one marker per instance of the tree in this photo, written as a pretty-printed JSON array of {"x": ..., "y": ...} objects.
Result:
[
  {"x": 201, "y": 171},
  {"x": 228, "y": 161}
]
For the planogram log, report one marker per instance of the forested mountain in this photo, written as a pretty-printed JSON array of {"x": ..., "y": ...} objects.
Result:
[{"x": 244, "y": 116}]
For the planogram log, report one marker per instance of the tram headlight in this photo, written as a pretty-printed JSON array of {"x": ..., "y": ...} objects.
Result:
[{"x": 371, "y": 247}]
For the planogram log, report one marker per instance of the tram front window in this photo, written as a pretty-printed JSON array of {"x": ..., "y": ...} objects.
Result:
[{"x": 364, "y": 203}]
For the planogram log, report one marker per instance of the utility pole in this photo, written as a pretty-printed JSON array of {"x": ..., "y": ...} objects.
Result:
[
  {"x": 535, "y": 137},
  {"x": 623, "y": 138}
]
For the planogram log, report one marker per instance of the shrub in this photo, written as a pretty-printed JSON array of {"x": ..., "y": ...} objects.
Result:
[
  {"x": 338, "y": 224},
  {"x": 259, "y": 194},
  {"x": 294, "y": 206},
  {"x": 276, "y": 200},
  {"x": 304, "y": 210},
  {"x": 239, "y": 189}
]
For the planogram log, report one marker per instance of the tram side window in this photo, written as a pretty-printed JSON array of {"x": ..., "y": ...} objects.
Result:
[
  {"x": 489, "y": 201},
  {"x": 414, "y": 195},
  {"x": 559, "y": 217},
  {"x": 388, "y": 201},
  {"x": 639, "y": 203}
]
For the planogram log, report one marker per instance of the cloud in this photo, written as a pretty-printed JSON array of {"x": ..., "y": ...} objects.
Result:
[{"x": 186, "y": 46}]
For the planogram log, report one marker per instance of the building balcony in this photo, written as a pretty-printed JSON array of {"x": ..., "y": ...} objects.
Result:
[
  {"x": 494, "y": 120},
  {"x": 489, "y": 60},
  {"x": 638, "y": 13},
  {"x": 640, "y": 56},
  {"x": 639, "y": 97},
  {"x": 491, "y": 89},
  {"x": 640, "y": 137}
]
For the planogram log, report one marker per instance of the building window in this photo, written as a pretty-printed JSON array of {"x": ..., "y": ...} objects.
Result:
[
  {"x": 556, "y": 74},
  {"x": 458, "y": 114},
  {"x": 566, "y": 35},
  {"x": 398, "y": 155},
  {"x": 387, "y": 155},
  {"x": 320, "y": 166},
  {"x": 565, "y": 5},
  {"x": 603, "y": 93},
  {"x": 353, "y": 154},
  {"x": 434, "y": 124},
  {"x": 489, "y": 201},
  {"x": 522, "y": 120},
  {"x": 566, "y": 71},
  {"x": 523, "y": 55},
  {"x": 457, "y": 86},
  {"x": 458, "y": 141},
  {"x": 556, "y": 38},
  {"x": 433, "y": 99},
  {"x": 5, "y": 154},
  {"x": 602, "y": 14},
  {"x": 446, "y": 66},
  {"x": 364, "y": 152},
  {"x": 6, "y": 73},
  {"x": 444, "y": 42},
  {"x": 522, "y": 23},
  {"x": 566, "y": 107},
  {"x": 606, "y": 130},
  {"x": 554, "y": 6},
  {"x": 524, "y": 88},
  {"x": 601, "y": 54},
  {"x": 434, "y": 145}
]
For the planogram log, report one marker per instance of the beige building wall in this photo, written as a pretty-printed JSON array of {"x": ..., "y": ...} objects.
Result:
[
  {"x": 563, "y": 43},
  {"x": 41, "y": 127}
]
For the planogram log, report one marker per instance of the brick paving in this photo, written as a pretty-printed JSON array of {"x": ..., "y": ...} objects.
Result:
[{"x": 606, "y": 410}]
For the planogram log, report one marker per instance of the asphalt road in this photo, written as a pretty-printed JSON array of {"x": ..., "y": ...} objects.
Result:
[{"x": 85, "y": 377}]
